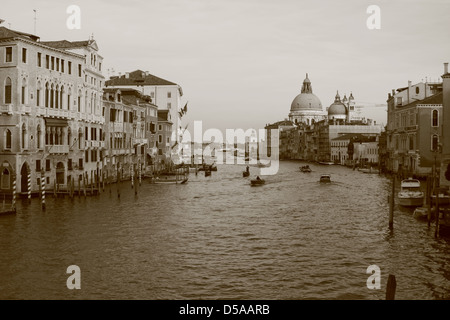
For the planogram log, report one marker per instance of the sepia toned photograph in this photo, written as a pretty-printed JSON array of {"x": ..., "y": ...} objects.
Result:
[{"x": 213, "y": 150}]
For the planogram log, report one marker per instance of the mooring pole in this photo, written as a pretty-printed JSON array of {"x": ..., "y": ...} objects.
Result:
[
  {"x": 391, "y": 287},
  {"x": 391, "y": 205}
]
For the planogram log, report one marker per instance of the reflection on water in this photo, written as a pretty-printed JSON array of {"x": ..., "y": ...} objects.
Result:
[{"x": 218, "y": 238}]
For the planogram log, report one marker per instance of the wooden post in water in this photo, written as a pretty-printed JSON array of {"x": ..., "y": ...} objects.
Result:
[
  {"x": 79, "y": 187},
  {"x": 137, "y": 185},
  {"x": 13, "y": 205},
  {"x": 29, "y": 185},
  {"x": 84, "y": 184},
  {"x": 428, "y": 199},
  {"x": 54, "y": 188},
  {"x": 391, "y": 205},
  {"x": 436, "y": 232},
  {"x": 118, "y": 183},
  {"x": 132, "y": 176},
  {"x": 391, "y": 287},
  {"x": 92, "y": 183},
  {"x": 43, "y": 192}
]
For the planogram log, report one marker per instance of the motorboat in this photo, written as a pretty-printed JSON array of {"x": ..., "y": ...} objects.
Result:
[
  {"x": 305, "y": 168},
  {"x": 410, "y": 194},
  {"x": 326, "y": 163},
  {"x": 257, "y": 182},
  {"x": 324, "y": 178},
  {"x": 169, "y": 179}
]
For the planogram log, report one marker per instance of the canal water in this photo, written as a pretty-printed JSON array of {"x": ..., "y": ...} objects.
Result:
[{"x": 219, "y": 238}]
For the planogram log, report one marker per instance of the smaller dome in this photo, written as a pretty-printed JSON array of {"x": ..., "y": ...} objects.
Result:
[{"x": 337, "y": 109}]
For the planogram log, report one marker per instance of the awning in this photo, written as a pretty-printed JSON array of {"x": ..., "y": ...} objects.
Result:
[{"x": 52, "y": 122}]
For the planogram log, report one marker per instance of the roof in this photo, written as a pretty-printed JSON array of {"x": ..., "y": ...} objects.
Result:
[
  {"x": 350, "y": 136},
  {"x": 138, "y": 77},
  {"x": 65, "y": 44},
  {"x": 434, "y": 99},
  {"x": 6, "y": 33},
  {"x": 280, "y": 124}
]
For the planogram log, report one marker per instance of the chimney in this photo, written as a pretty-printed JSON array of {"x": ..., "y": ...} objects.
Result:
[
  {"x": 127, "y": 75},
  {"x": 445, "y": 67},
  {"x": 409, "y": 86},
  {"x": 146, "y": 73}
]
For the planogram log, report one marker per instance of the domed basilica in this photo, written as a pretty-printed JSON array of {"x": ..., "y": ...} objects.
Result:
[{"x": 307, "y": 108}]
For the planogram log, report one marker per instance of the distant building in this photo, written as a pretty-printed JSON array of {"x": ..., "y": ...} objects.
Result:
[{"x": 310, "y": 131}]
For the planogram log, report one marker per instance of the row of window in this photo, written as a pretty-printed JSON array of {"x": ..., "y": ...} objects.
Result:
[
  {"x": 54, "y": 96},
  {"x": 51, "y": 62},
  {"x": 404, "y": 119}
]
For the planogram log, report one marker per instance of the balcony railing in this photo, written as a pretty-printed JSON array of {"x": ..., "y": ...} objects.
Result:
[
  {"x": 6, "y": 108},
  {"x": 24, "y": 109},
  {"x": 57, "y": 149}
]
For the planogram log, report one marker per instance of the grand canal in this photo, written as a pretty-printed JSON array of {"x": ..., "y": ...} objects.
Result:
[{"x": 219, "y": 238}]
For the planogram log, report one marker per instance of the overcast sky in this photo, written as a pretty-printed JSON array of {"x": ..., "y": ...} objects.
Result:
[{"x": 242, "y": 62}]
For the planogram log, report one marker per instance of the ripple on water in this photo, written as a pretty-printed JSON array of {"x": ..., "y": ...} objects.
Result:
[{"x": 219, "y": 238}]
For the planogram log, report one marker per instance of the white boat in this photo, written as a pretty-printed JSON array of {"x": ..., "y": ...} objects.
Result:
[
  {"x": 325, "y": 178},
  {"x": 410, "y": 194}
]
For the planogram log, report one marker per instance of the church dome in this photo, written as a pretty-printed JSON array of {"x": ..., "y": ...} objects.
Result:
[
  {"x": 306, "y": 100},
  {"x": 337, "y": 108}
]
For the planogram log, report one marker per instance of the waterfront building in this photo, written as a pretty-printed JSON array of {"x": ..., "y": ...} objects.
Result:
[
  {"x": 445, "y": 164},
  {"x": 414, "y": 128},
  {"x": 164, "y": 144},
  {"x": 166, "y": 95},
  {"x": 130, "y": 129},
  {"x": 340, "y": 148},
  {"x": 51, "y": 117}
]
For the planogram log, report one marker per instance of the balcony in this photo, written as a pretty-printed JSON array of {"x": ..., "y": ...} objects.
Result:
[
  {"x": 73, "y": 114},
  {"x": 87, "y": 144},
  {"x": 24, "y": 109},
  {"x": 41, "y": 111},
  {"x": 139, "y": 141},
  {"x": 57, "y": 149},
  {"x": 8, "y": 108},
  {"x": 58, "y": 113}
]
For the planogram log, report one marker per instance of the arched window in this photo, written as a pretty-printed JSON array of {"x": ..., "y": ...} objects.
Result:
[
  {"x": 79, "y": 101},
  {"x": 434, "y": 142},
  {"x": 8, "y": 139},
  {"x": 80, "y": 136},
  {"x": 24, "y": 136},
  {"x": 69, "y": 96},
  {"x": 52, "y": 96},
  {"x": 23, "y": 96},
  {"x": 38, "y": 94},
  {"x": 61, "y": 101},
  {"x": 38, "y": 139},
  {"x": 47, "y": 95},
  {"x": 57, "y": 97},
  {"x": 435, "y": 118},
  {"x": 69, "y": 136},
  {"x": 5, "y": 179},
  {"x": 8, "y": 91}
]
